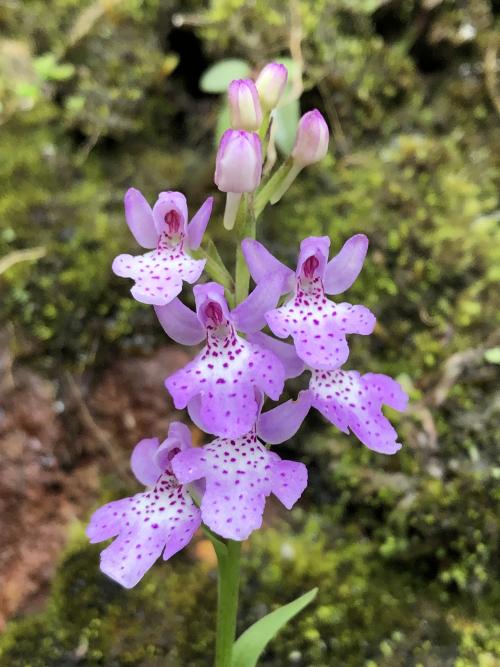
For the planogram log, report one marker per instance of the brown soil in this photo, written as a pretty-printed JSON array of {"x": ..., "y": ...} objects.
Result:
[{"x": 56, "y": 437}]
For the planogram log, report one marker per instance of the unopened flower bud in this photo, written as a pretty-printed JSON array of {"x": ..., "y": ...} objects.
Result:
[
  {"x": 311, "y": 145},
  {"x": 238, "y": 165},
  {"x": 244, "y": 105},
  {"x": 311, "y": 142},
  {"x": 238, "y": 168},
  {"x": 270, "y": 84}
]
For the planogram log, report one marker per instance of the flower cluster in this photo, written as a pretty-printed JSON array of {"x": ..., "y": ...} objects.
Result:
[{"x": 225, "y": 483}]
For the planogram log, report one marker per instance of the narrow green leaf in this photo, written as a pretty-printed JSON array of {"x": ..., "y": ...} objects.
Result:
[
  {"x": 250, "y": 645},
  {"x": 215, "y": 265},
  {"x": 218, "y": 77}
]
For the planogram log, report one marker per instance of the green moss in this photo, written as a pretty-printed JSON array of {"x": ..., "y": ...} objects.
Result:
[{"x": 372, "y": 606}]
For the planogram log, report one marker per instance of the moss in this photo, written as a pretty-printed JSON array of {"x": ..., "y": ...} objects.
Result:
[{"x": 371, "y": 607}]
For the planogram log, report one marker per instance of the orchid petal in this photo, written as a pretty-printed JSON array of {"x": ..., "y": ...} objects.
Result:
[
  {"x": 139, "y": 217},
  {"x": 283, "y": 422},
  {"x": 167, "y": 202},
  {"x": 224, "y": 375},
  {"x": 158, "y": 274},
  {"x": 239, "y": 474},
  {"x": 206, "y": 296},
  {"x": 147, "y": 524},
  {"x": 290, "y": 481},
  {"x": 180, "y": 323},
  {"x": 249, "y": 314},
  {"x": 261, "y": 263},
  {"x": 344, "y": 268},
  {"x": 179, "y": 439},
  {"x": 353, "y": 401},
  {"x": 319, "y": 326},
  {"x": 285, "y": 352},
  {"x": 198, "y": 224},
  {"x": 317, "y": 247},
  {"x": 143, "y": 462}
]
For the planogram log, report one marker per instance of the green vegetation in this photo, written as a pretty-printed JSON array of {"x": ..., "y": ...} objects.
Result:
[{"x": 404, "y": 550}]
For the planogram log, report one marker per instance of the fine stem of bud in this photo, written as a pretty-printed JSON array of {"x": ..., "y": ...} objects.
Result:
[
  {"x": 246, "y": 229},
  {"x": 231, "y": 210},
  {"x": 265, "y": 193},
  {"x": 285, "y": 183}
]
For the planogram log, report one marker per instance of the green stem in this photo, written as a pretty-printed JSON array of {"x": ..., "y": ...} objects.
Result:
[
  {"x": 246, "y": 229},
  {"x": 228, "y": 553},
  {"x": 268, "y": 190},
  {"x": 227, "y": 602}
]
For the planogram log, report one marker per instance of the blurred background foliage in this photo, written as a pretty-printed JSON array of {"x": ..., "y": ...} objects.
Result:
[{"x": 99, "y": 95}]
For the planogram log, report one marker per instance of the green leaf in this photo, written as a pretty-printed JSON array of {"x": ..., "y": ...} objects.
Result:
[
  {"x": 493, "y": 355},
  {"x": 215, "y": 266},
  {"x": 250, "y": 645},
  {"x": 218, "y": 77},
  {"x": 287, "y": 120}
]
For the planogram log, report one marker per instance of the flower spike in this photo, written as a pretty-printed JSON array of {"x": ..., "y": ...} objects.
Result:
[
  {"x": 161, "y": 520},
  {"x": 158, "y": 274}
]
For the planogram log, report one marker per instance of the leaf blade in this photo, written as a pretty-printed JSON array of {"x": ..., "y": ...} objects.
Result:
[
  {"x": 250, "y": 645},
  {"x": 218, "y": 77}
]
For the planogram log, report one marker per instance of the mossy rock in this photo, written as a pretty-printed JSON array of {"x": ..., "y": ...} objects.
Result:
[{"x": 371, "y": 610}]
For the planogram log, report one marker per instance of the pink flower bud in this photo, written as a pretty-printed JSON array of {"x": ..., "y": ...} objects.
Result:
[
  {"x": 244, "y": 105},
  {"x": 270, "y": 84},
  {"x": 311, "y": 142},
  {"x": 238, "y": 166}
]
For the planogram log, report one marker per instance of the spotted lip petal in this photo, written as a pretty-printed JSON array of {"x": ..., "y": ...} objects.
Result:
[
  {"x": 318, "y": 326},
  {"x": 239, "y": 475},
  {"x": 222, "y": 378},
  {"x": 158, "y": 274},
  {"x": 292, "y": 363},
  {"x": 224, "y": 375},
  {"x": 145, "y": 525},
  {"x": 353, "y": 401}
]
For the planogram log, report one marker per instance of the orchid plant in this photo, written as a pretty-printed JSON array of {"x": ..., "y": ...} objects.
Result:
[{"x": 223, "y": 485}]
